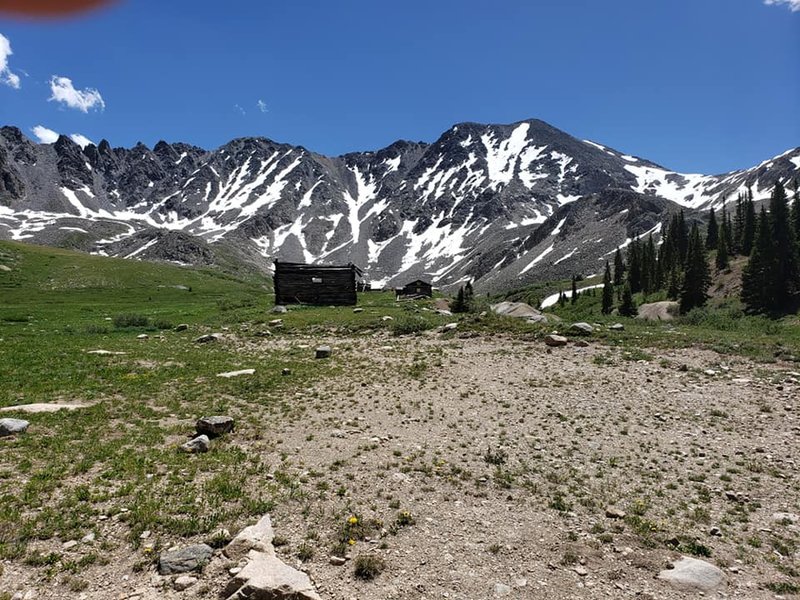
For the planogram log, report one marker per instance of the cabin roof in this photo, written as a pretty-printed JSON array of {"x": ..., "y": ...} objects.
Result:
[{"x": 306, "y": 267}]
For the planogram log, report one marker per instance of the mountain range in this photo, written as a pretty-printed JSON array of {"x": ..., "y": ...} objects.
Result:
[{"x": 503, "y": 205}]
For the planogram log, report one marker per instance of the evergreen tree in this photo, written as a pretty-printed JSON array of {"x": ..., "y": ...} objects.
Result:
[
  {"x": 696, "y": 276},
  {"x": 738, "y": 225},
  {"x": 682, "y": 238},
  {"x": 712, "y": 234},
  {"x": 755, "y": 276},
  {"x": 619, "y": 268},
  {"x": 574, "y": 297},
  {"x": 459, "y": 304},
  {"x": 796, "y": 211},
  {"x": 562, "y": 299},
  {"x": 748, "y": 226},
  {"x": 674, "y": 283},
  {"x": 785, "y": 279},
  {"x": 722, "y": 254},
  {"x": 469, "y": 296},
  {"x": 627, "y": 307},
  {"x": 726, "y": 228},
  {"x": 635, "y": 266},
  {"x": 608, "y": 291}
]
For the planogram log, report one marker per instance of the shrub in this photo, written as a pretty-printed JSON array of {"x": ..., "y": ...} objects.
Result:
[
  {"x": 130, "y": 320},
  {"x": 409, "y": 325},
  {"x": 368, "y": 566}
]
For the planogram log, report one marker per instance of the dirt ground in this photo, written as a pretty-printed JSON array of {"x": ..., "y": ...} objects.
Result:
[{"x": 504, "y": 457}]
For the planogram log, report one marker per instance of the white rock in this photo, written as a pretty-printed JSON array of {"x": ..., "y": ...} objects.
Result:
[
  {"x": 255, "y": 537},
  {"x": 693, "y": 575},
  {"x": 266, "y": 577},
  {"x": 230, "y": 374},
  {"x": 184, "y": 582}
]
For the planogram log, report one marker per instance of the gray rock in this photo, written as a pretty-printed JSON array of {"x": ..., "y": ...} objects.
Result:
[
  {"x": 358, "y": 310},
  {"x": 693, "y": 575},
  {"x": 286, "y": 372},
  {"x": 191, "y": 558},
  {"x": 449, "y": 326},
  {"x": 184, "y": 582},
  {"x": 338, "y": 561},
  {"x": 276, "y": 323},
  {"x": 265, "y": 577},
  {"x": 214, "y": 426},
  {"x": 555, "y": 340},
  {"x": 181, "y": 327},
  {"x": 581, "y": 328},
  {"x": 501, "y": 589},
  {"x": 279, "y": 309},
  {"x": 199, "y": 444},
  {"x": 612, "y": 512},
  {"x": 12, "y": 426},
  {"x": 323, "y": 352},
  {"x": 204, "y": 339},
  {"x": 582, "y": 344},
  {"x": 785, "y": 517},
  {"x": 617, "y": 327},
  {"x": 255, "y": 537}
]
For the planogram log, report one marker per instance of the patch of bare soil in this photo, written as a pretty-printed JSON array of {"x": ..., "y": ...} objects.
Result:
[{"x": 486, "y": 467}]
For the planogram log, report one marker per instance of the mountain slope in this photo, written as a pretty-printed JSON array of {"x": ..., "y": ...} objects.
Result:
[{"x": 444, "y": 210}]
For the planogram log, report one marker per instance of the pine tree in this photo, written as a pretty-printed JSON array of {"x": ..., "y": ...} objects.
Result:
[
  {"x": 713, "y": 231},
  {"x": 469, "y": 297},
  {"x": 608, "y": 291},
  {"x": 755, "y": 276},
  {"x": 721, "y": 260},
  {"x": 674, "y": 283},
  {"x": 627, "y": 307},
  {"x": 682, "y": 238},
  {"x": 748, "y": 227},
  {"x": 785, "y": 280},
  {"x": 562, "y": 299},
  {"x": 738, "y": 225},
  {"x": 574, "y": 297},
  {"x": 619, "y": 268},
  {"x": 459, "y": 304},
  {"x": 796, "y": 211},
  {"x": 697, "y": 278},
  {"x": 726, "y": 228}
]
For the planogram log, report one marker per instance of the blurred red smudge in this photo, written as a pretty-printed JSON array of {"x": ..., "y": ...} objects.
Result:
[{"x": 49, "y": 8}]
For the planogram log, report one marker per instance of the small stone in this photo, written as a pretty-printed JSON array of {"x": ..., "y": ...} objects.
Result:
[
  {"x": 387, "y": 318},
  {"x": 582, "y": 344},
  {"x": 181, "y": 327},
  {"x": 555, "y": 340},
  {"x": 612, "y": 512},
  {"x": 209, "y": 337},
  {"x": 191, "y": 558},
  {"x": 144, "y": 535},
  {"x": 279, "y": 309},
  {"x": 501, "y": 589},
  {"x": 732, "y": 496},
  {"x": 214, "y": 426},
  {"x": 285, "y": 372},
  {"x": 239, "y": 373},
  {"x": 449, "y": 326},
  {"x": 142, "y": 336},
  {"x": 88, "y": 538},
  {"x": 276, "y": 323},
  {"x": 184, "y": 582},
  {"x": 710, "y": 372},
  {"x": 323, "y": 352},
  {"x": 199, "y": 444},
  {"x": 581, "y": 571},
  {"x": 358, "y": 310},
  {"x": 617, "y": 327},
  {"x": 12, "y": 426},
  {"x": 337, "y": 561},
  {"x": 715, "y": 531},
  {"x": 69, "y": 545}
]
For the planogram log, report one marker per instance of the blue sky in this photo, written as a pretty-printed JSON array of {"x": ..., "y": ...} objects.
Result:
[{"x": 695, "y": 85}]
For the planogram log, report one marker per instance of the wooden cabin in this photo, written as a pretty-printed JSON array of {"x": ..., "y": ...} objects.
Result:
[
  {"x": 416, "y": 288},
  {"x": 298, "y": 283}
]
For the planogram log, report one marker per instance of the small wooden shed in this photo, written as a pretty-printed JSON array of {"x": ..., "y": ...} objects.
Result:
[
  {"x": 298, "y": 283},
  {"x": 416, "y": 288}
]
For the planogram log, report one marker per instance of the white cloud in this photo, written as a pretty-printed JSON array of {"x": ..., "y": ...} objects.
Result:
[
  {"x": 63, "y": 91},
  {"x": 81, "y": 140},
  {"x": 239, "y": 109},
  {"x": 44, "y": 135},
  {"x": 48, "y": 136},
  {"x": 6, "y": 76},
  {"x": 794, "y": 5},
  {"x": 262, "y": 106}
]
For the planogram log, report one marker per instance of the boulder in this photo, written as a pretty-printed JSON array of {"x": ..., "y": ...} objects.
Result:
[
  {"x": 612, "y": 512},
  {"x": 214, "y": 426},
  {"x": 519, "y": 310},
  {"x": 581, "y": 328},
  {"x": 279, "y": 309},
  {"x": 323, "y": 352},
  {"x": 184, "y": 560},
  {"x": 199, "y": 444},
  {"x": 265, "y": 577},
  {"x": 12, "y": 426},
  {"x": 658, "y": 311},
  {"x": 555, "y": 340},
  {"x": 255, "y": 537},
  {"x": 209, "y": 337},
  {"x": 693, "y": 575}
]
